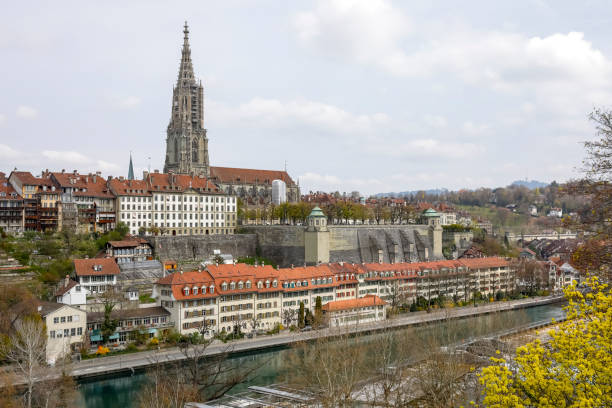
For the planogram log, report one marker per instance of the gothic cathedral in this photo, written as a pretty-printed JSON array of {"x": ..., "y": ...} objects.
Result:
[{"x": 186, "y": 141}]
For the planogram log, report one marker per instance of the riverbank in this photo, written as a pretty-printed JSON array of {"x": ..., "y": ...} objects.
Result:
[{"x": 130, "y": 363}]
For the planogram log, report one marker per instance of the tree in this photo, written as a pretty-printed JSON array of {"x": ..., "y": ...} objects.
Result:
[
  {"x": 218, "y": 259},
  {"x": 301, "y": 315},
  {"x": 573, "y": 370},
  {"x": 288, "y": 317},
  {"x": 531, "y": 275},
  {"x": 596, "y": 185},
  {"x": 325, "y": 366},
  {"x": 109, "y": 299},
  {"x": 26, "y": 350},
  {"x": 318, "y": 315}
]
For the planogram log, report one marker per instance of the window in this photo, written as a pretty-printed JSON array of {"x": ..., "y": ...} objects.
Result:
[
  {"x": 240, "y": 285},
  {"x": 52, "y": 334},
  {"x": 232, "y": 285},
  {"x": 275, "y": 283},
  {"x": 73, "y": 332},
  {"x": 260, "y": 284},
  {"x": 63, "y": 319},
  {"x": 56, "y": 320},
  {"x": 79, "y": 331},
  {"x": 66, "y": 332},
  {"x": 194, "y": 290},
  {"x": 186, "y": 291},
  {"x": 248, "y": 284},
  {"x": 224, "y": 286},
  {"x": 212, "y": 289}
]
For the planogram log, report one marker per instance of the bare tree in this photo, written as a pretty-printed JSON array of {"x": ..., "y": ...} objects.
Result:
[
  {"x": 288, "y": 317},
  {"x": 332, "y": 366},
  {"x": 26, "y": 351}
]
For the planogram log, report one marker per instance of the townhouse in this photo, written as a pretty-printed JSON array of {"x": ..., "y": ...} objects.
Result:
[
  {"x": 224, "y": 297},
  {"x": 96, "y": 274},
  {"x": 174, "y": 204},
  {"x": 11, "y": 207},
  {"x": 65, "y": 327}
]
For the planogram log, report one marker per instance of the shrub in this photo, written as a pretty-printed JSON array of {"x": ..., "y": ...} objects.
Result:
[
  {"x": 131, "y": 348},
  {"x": 102, "y": 350}
]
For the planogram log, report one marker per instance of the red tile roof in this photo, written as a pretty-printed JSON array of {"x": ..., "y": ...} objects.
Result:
[
  {"x": 178, "y": 281},
  {"x": 169, "y": 182},
  {"x": 122, "y": 187},
  {"x": 93, "y": 184},
  {"x": 366, "y": 301},
  {"x": 128, "y": 243},
  {"x": 229, "y": 175},
  {"x": 85, "y": 267},
  {"x": 25, "y": 177},
  {"x": 65, "y": 288},
  {"x": 9, "y": 192}
]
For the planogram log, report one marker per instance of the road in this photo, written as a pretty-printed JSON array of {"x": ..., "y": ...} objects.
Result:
[{"x": 134, "y": 361}]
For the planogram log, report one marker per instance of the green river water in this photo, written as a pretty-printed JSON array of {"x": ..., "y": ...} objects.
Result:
[{"x": 123, "y": 391}]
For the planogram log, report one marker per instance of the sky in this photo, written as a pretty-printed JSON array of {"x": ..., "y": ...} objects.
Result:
[{"x": 366, "y": 95}]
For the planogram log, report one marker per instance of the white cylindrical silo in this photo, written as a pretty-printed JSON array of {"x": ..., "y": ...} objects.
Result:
[{"x": 279, "y": 192}]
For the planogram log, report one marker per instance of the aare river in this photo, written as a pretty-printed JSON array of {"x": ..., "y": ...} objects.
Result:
[{"x": 124, "y": 391}]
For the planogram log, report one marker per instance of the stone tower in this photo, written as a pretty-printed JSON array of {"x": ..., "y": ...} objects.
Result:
[
  {"x": 432, "y": 219},
  {"x": 186, "y": 142},
  {"x": 316, "y": 238}
]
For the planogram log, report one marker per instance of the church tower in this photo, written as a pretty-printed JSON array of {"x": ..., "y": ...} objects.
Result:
[{"x": 186, "y": 142}]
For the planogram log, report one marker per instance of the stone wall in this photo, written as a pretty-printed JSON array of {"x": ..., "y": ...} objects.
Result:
[
  {"x": 284, "y": 244},
  {"x": 200, "y": 247}
]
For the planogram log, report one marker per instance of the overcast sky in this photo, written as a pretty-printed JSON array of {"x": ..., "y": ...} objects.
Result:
[{"x": 369, "y": 95}]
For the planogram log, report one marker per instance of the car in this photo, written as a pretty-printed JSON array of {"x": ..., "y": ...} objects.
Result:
[{"x": 306, "y": 328}]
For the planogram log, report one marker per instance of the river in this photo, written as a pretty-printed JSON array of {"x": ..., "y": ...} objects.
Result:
[{"x": 123, "y": 391}]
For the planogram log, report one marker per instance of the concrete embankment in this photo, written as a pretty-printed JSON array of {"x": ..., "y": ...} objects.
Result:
[{"x": 130, "y": 363}]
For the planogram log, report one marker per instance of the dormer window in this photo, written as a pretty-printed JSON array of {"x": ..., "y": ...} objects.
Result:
[
  {"x": 298, "y": 284},
  {"x": 212, "y": 288},
  {"x": 248, "y": 284},
  {"x": 194, "y": 290},
  {"x": 186, "y": 291},
  {"x": 275, "y": 283},
  {"x": 329, "y": 280},
  {"x": 267, "y": 284},
  {"x": 203, "y": 291},
  {"x": 259, "y": 284},
  {"x": 224, "y": 286},
  {"x": 240, "y": 285},
  {"x": 305, "y": 283},
  {"x": 232, "y": 285}
]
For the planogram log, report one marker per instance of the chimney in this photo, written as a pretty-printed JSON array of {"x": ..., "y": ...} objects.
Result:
[
  {"x": 277, "y": 267},
  {"x": 156, "y": 171},
  {"x": 181, "y": 270},
  {"x": 291, "y": 266},
  {"x": 427, "y": 254},
  {"x": 380, "y": 256},
  {"x": 94, "y": 178},
  {"x": 66, "y": 280}
]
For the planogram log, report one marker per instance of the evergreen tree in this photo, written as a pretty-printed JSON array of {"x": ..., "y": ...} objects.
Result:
[{"x": 301, "y": 315}]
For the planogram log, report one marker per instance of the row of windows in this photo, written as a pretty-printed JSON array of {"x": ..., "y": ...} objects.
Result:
[
  {"x": 231, "y": 308},
  {"x": 75, "y": 331},
  {"x": 66, "y": 319}
]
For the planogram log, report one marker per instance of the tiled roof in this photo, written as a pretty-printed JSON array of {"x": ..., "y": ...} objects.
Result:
[
  {"x": 8, "y": 190},
  {"x": 122, "y": 187},
  {"x": 169, "y": 182},
  {"x": 178, "y": 281},
  {"x": 26, "y": 178},
  {"x": 229, "y": 175},
  {"x": 93, "y": 184},
  {"x": 128, "y": 243},
  {"x": 366, "y": 301},
  {"x": 65, "y": 288},
  {"x": 106, "y": 266}
]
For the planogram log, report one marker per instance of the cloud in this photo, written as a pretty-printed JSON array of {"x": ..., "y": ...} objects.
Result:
[
  {"x": 2, "y": 119},
  {"x": 474, "y": 129},
  {"x": 129, "y": 102},
  {"x": 66, "y": 156},
  {"x": 435, "y": 121},
  {"x": 26, "y": 112},
  {"x": 7, "y": 152},
  {"x": 273, "y": 113},
  {"x": 559, "y": 70},
  {"x": 428, "y": 148}
]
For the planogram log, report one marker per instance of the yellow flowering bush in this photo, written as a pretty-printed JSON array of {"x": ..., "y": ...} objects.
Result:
[
  {"x": 102, "y": 350},
  {"x": 573, "y": 370}
]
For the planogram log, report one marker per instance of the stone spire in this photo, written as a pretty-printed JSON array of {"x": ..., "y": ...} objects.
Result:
[
  {"x": 131, "y": 169},
  {"x": 186, "y": 68},
  {"x": 186, "y": 141}
]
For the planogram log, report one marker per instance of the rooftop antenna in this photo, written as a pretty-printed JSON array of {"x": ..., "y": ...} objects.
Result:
[{"x": 285, "y": 166}]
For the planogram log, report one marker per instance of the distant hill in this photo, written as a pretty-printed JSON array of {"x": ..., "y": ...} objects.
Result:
[
  {"x": 532, "y": 185},
  {"x": 436, "y": 191}
]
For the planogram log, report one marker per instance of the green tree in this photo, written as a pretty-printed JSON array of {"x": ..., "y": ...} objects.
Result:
[
  {"x": 318, "y": 316},
  {"x": 301, "y": 315}
]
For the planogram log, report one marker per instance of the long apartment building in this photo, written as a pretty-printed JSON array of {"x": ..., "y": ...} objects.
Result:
[
  {"x": 222, "y": 297},
  {"x": 176, "y": 204}
]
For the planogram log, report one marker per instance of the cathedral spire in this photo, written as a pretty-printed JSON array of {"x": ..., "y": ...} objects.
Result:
[
  {"x": 131, "y": 169},
  {"x": 186, "y": 69}
]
